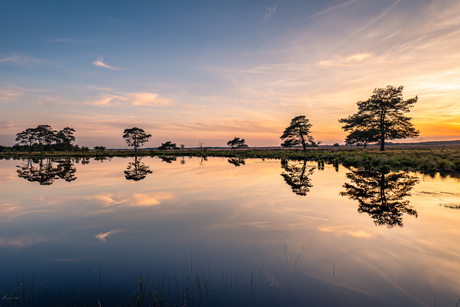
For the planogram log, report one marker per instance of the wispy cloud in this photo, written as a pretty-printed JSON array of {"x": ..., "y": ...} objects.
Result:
[
  {"x": 71, "y": 40},
  {"x": 6, "y": 125},
  {"x": 144, "y": 99},
  {"x": 233, "y": 124},
  {"x": 99, "y": 62},
  {"x": 9, "y": 93},
  {"x": 270, "y": 11},
  {"x": 339, "y": 61},
  {"x": 367, "y": 25},
  {"x": 147, "y": 99},
  {"x": 20, "y": 59},
  {"x": 328, "y": 10}
]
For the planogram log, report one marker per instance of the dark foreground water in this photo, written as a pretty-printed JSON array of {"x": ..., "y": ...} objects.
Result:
[{"x": 223, "y": 233}]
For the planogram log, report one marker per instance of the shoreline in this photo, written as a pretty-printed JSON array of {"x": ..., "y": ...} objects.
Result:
[{"x": 426, "y": 159}]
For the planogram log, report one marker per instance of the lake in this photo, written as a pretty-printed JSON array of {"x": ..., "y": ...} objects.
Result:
[{"x": 225, "y": 232}]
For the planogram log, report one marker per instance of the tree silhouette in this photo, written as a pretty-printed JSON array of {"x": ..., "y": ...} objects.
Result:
[
  {"x": 27, "y": 137},
  {"x": 237, "y": 143},
  {"x": 380, "y": 194},
  {"x": 381, "y": 118},
  {"x": 297, "y": 175},
  {"x": 136, "y": 170},
  {"x": 237, "y": 161},
  {"x": 66, "y": 137},
  {"x": 298, "y": 133},
  {"x": 136, "y": 137},
  {"x": 361, "y": 132},
  {"x": 45, "y": 135},
  {"x": 45, "y": 172},
  {"x": 168, "y": 145}
]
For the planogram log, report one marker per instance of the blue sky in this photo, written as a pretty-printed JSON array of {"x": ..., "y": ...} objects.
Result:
[{"x": 190, "y": 71}]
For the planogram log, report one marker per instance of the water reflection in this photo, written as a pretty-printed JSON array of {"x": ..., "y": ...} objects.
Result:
[
  {"x": 297, "y": 176},
  {"x": 83, "y": 161},
  {"x": 237, "y": 161},
  {"x": 168, "y": 159},
  {"x": 137, "y": 170},
  {"x": 278, "y": 249},
  {"x": 46, "y": 171},
  {"x": 380, "y": 194}
]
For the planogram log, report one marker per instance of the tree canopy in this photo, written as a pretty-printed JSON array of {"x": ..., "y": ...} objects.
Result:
[
  {"x": 45, "y": 135},
  {"x": 381, "y": 118},
  {"x": 237, "y": 143},
  {"x": 298, "y": 133},
  {"x": 66, "y": 137},
  {"x": 136, "y": 137},
  {"x": 168, "y": 145}
]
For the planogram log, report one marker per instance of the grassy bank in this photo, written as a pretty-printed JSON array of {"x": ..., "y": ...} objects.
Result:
[{"x": 427, "y": 159}]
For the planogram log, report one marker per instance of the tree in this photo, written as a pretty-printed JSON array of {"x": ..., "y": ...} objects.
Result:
[
  {"x": 167, "y": 145},
  {"x": 27, "y": 137},
  {"x": 237, "y": 143},
  {"x": 66, "y": 137},
  {"x": 381, "y": 118},
  {"x": 298, "y": 133},
  {"x": 359, "y": 127},
  {"x": 136, "y": 137},
  {"x": 45, "y": 135}
]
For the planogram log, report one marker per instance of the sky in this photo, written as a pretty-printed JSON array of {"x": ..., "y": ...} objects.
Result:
[{"x": 191, "y": 71}]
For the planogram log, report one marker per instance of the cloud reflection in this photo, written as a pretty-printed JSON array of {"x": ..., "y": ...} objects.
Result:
[{"x": 102, "y": 237}]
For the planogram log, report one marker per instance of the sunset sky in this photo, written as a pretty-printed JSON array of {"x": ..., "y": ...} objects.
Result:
[{"x": 190, "y": 71}]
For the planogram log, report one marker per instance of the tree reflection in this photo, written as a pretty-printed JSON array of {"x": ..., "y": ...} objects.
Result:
[
  {"x": 237, "y": 161},
  {"x": 297, "y": 176},
  {"x": 168, "y": 159},
  {"x": 45, "y": 171},
  {"x": 136, "y": 170},
  {"x": 66, "y": 170},
  {"x": 380, "y": 194}
]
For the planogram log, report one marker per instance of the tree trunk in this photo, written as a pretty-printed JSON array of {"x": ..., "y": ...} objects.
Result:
[
  {"x": 304, "y": 145},
  {"x": 382, "y": 132}
]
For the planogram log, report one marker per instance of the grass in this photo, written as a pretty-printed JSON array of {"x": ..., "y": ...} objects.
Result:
[
  {"x": 195, "y": 286},
  {"x": 426, "y": 159}
]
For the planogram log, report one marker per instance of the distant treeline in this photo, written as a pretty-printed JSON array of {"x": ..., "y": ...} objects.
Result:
[{"x": 50, "y": 148}]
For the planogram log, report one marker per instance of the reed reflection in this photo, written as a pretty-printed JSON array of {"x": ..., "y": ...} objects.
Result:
[
  {"x": 380, "y": 194},
  {"x": 137, "y": 170},
  {"x": 297, "y": 175},
  {"x": 237, "y": 161},
  {"x": 46, "y": 171}
]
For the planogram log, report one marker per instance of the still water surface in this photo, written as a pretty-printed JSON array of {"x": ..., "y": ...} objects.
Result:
[{"x": 226, "y": 232}]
